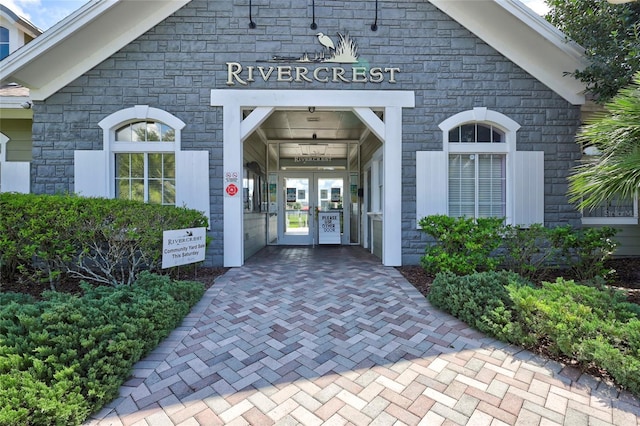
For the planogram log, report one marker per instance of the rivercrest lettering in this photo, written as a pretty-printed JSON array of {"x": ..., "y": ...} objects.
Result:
[{"x": 237, "y": 74}]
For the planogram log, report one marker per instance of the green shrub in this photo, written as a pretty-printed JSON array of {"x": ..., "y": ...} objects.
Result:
[
  {"x": 527, "y": 251},
  {"x": 463, "y": 245},
  {"x": 66, "y": 356},
  {"x": 585, "y": 323},
  {"x": 466, "y": 245},
  {"x": 106, "y": 241},
  {"x": 585, "y": 250},
  {"x": 481, "y": 300}
]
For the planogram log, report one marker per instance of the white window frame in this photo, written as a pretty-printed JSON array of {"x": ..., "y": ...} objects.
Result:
[
  {"x": 137, "y": 113},
  {"x": 482, "y": 115}
]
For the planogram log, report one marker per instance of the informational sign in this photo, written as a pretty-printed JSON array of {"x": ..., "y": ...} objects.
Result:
[
  {"x": 291, "y": 195},
  {"x": 335, "y": 195},
  {"x": 183, "y": 246},
  {"x": 329, "y": 228},
  {"x": 231, "y": 184}
]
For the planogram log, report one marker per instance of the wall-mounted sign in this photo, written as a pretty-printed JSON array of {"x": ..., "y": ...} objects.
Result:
[
  {"x": 183, "y": 246},
  {"x": 329, "y": 228},
  {"x": 344, "y": 51},
  {"x": 335, "y": 195},
  {"x": 291, "y": 195},
  {"x": 231, "y": 184}
]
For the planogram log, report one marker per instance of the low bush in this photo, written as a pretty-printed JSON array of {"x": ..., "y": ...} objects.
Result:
[
  {"x": 64, "y": 357},
  {"x": 463, "y": 245},
  {"x": 481, "y": 300},
  {"x": 584, "y": 251},
  {"x": 466, "y": 245},
  {"x": 590, "y": 325},
  {"x": 106, "y": 241}
]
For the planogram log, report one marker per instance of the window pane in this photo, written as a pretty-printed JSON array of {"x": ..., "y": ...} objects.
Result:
[
  {"x": 123, "y": 134},
  {"x": 484, "y": 133},
  {"x": 155, "y": 191},
  {"x": 137, "y": 189},
  {"x": 139, "y": 132},
  {"x": 461, "y": 185},
  {"x": 137, "y": 165},
  {"x": 468, "y": 133},
  {"x": 168, "y": 134},
  {"x": 613, "y": 208},
  {"x": 4, "y": 50},
  {"x": 169, "y": 193},
  {"x": 123, "y": 189},
  {"x": 169, "y": 161},
  {"x": 491, "y": 185},
  {"x": 454, "y": 135},
  {"x": 4, "y": 35},
  {"x": 122, "y": 165},
  {"x": 155, "y": 166},
  {"x": 497, "y": 137},
  {"x": 153, "y": 132}
]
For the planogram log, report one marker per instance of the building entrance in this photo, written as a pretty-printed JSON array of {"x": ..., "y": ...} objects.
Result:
[{"x": 313, "y": 209}]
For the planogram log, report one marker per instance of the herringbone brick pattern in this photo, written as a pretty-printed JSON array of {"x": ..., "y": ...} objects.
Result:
[{"x": 329, "y": 336}]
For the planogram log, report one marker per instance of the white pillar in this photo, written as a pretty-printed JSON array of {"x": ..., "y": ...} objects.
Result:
[
  {"x": 232, "y": 169},
  {"x": 392, "y": 183}
]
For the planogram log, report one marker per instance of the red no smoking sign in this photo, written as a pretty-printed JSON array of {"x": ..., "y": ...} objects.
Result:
[{"x": 231, "y": 189}]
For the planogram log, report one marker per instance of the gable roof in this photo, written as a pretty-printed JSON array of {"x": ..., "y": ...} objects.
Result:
[
  {"x": 24, "y": 25},
  {"x": 100, "y": 28}
]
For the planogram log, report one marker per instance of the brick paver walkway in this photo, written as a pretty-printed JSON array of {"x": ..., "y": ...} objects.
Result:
[{"x": 329, "y": 336}]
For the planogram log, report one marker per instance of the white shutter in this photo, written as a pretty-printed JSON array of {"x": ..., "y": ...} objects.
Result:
[
  {"x": 192, "y": 181},
  {"x": 431, "y": 183},
  {"x": 528, "y": 189},
  {"x": 15, "y": 176},
  {"x": 90, "y": 173}
]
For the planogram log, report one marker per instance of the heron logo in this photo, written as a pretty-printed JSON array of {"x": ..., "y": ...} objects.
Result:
[{"x": 343, "y": 51}]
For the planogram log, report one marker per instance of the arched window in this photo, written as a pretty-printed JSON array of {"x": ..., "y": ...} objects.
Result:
[
  {"x": 142, "y": 160},
  {"x": 148, "y": 176},
  {"x": 4, "y": 43},
  {"x": 479, "y": 173}
]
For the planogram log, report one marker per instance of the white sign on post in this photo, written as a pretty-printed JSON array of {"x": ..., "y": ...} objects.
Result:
[
  {"x": 329, "y": 228},
  {"x": 183, "y": 246}
]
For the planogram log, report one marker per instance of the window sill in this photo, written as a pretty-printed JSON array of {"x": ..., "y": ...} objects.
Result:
[{"x": 609, "y": 220}]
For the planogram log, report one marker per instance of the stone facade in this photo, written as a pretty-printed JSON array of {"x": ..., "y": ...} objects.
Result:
[{"x": 175, "y": 65}]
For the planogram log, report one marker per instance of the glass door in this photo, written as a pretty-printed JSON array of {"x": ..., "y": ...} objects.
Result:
[
  {"x": 297, "y": 208},
  {"x": 331, "y": 209},
  {"x": 314, "y": 209}
]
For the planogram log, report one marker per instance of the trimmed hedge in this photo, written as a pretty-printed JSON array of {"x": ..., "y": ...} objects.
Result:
[
  {"x": 591, "y": 325},
  {"x": 64, "y": 357},
  {"x": 467, "y": 245},
  {"x": 107, "y": 241}
]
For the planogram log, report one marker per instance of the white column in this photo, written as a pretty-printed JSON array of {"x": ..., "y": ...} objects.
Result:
[
  {"x": 392, "y": 175},
  {"x": 232, "y": 206}
]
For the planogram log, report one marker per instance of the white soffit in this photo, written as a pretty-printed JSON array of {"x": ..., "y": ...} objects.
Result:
[
  {"x": 525, "y": 38},
  {"x": 81, "y": 41}
]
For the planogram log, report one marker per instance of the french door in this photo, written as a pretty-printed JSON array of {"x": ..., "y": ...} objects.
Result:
[{"x": 313, "y": 209}]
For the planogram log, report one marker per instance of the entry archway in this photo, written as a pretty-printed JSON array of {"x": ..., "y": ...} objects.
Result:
[{"x": 264, "y": 102}]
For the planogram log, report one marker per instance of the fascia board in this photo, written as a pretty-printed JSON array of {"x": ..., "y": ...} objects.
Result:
[
  {"x": 82, "y": 41},
  {"x": 524, "y": 38}
]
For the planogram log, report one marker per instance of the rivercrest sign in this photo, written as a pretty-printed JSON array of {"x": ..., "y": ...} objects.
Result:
[
  {"x": 238, "y": 74},
  {"x": 345, "y": 51}
]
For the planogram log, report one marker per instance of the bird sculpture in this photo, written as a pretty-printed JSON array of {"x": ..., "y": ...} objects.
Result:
[{"x": 326, "y": 41}]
